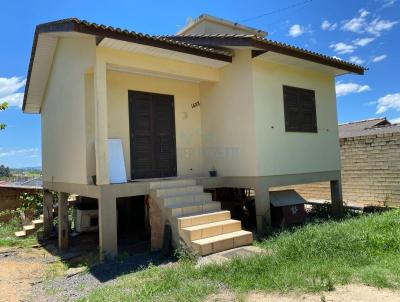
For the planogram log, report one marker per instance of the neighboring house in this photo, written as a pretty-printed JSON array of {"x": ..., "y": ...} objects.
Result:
[
  {"x": 218, "y": 95},
  {"x": 370, "y": 157}
]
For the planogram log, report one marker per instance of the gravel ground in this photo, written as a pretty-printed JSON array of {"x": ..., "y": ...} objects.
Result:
[{"x": 79, "y": 285}]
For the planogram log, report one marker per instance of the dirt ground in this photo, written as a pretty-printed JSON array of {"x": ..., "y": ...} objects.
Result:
[
  {"x": 348, "y": 293},
  {"x": 20, "y": 270}
]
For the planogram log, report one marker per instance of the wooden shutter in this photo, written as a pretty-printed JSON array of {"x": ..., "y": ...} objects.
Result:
[
  {"x": 299, "y": 109},
  {"x": 152, "y": 131}
]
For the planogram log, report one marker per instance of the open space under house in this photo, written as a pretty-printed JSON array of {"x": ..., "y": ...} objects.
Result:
[{"x": 164, "y": 111}]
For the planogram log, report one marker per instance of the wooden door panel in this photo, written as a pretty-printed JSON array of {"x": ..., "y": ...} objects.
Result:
[{"x": 152, "y": 128}]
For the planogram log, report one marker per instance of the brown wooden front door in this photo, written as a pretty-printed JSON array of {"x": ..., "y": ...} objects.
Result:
[{"x": 152, "y": 135}]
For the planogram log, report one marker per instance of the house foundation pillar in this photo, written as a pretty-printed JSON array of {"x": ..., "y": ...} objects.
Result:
[
  {"x": 63, "y": 220},
  {"x": 263, "y": 207},
  {"x": 156, "y": 225},
  {"x": 108, "y": 237},
  {"x": 337, "y": 198},
  {"x": 47, "y": 213}
]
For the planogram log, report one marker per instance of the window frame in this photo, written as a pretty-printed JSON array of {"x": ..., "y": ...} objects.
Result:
[{"x": 297, "y": 91}]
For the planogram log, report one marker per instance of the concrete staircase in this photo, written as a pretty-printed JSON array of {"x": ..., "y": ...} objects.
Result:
[
  {"x": 196, "y": 219},
  {"x": 30, "y": 229}
]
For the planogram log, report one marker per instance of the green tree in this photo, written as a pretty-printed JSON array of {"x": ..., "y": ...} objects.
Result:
[
  {"x": 3, "y": 106},
  {"x": 5, "y": 171}
]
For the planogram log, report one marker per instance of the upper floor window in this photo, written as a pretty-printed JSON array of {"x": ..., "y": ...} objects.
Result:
[{"x": 300, "y": 113}]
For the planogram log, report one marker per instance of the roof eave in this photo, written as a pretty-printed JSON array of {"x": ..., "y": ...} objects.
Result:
[
  {"x": 73, "y": 25},
  {"x": 267, "y": 45}
]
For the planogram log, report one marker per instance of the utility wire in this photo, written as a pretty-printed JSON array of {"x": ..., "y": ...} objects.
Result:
[{"x": 301, "y": 3}]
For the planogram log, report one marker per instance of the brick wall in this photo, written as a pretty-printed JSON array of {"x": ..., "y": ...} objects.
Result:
[
  {"x": 370, "y": 171},
  {"x": 9, "y": 196}
]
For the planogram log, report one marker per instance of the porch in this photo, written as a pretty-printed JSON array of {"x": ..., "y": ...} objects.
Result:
[{"x": 107, "y": 195}]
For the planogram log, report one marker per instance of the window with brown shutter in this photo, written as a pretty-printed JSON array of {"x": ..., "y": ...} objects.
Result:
[{"x": 300, "y": 113}]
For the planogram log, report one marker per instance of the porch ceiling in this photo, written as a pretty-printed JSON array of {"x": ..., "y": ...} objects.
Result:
[{"x": 160, "y": 52}]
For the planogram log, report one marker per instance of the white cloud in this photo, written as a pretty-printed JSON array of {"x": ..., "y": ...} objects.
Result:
[
  {"x": 342, "y": 48},
  {"x": 395, "y": 120},
  {"x": 343, "y": 89},
  {"x": 9, "y": 88},
  {"x": 379, "y": 58},
  {"x": 326, "y": 25},
  {"x": 20, "y": 152},
  {"x": 356, "y": 60},
  {"x": 296, "y": 30},
  {"x": 378, "y": 25},
  {"x": 337, "y": 58},
  {"x": 387, "y": 3},
  {"x": 357, "y": 24},
  {"x": 363, "y": 41},
  {"x": 361, "y": 24},
  {"x": 389, "y": 101},
  {"x": 14, "y": 99}
]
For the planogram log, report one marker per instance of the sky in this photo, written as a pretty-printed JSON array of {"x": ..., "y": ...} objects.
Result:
[{"x": 364, "y": 32}]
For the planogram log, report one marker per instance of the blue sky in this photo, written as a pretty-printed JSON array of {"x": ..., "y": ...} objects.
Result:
[{"x": 365, "y": 32}]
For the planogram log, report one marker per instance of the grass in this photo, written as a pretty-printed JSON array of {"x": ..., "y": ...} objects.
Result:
[
  {"x": 312, "y": 258},
  {"x": 7, "y": 236}
]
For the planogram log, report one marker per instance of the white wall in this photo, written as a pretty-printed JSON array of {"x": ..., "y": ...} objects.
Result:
[
  {"x": 187, "y": 119},
  {"x": 63, "y": 112},
  {"x": 280, "y": 152},
  {"x": 228, "y": 119}
]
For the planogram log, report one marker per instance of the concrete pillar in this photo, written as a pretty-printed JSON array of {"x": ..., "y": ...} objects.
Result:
[
  {"x": 63, "y": 220},
  {"x": 101, "y": 120},
  {"x": 263, "y": 208},
  {"x": 337, "y": 199},
  {"x": 156, "y": 225},
  {"x": 108, "y": 238},
  {"x": 47, "y": 213}
]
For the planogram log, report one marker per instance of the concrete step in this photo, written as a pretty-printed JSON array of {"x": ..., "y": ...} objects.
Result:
[
  {"x": 37, "y": 223},
  {"x": 20, "y": 234},
  {"x": 195, "y": 208},
  {"x": 222, "y": 242},
  {"x": 29, "y": 229},
  {"x": 172, "y": 183},
  {"x": 187, "y": 198},
  {"x": 210, "y": 229},
  {"x": 176, "y": 191},
  {"x": 184, "y": 222}
]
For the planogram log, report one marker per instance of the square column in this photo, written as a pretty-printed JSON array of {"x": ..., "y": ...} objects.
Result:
[
  {"x": 337, "y": 199},
  {"x": 101, "y": 120},
  {"x": 108, "y": 237},
  {"x": 263, "y": 207},
  {"x": 63, "y": 220},
  {"x": 47, "y": 213}
]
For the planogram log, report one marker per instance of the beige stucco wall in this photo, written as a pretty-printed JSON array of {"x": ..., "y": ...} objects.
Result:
[
  {"x": 187, "y": 119},
  {"x": 280, "y": 152},
  {"x": 63, "y": 112},
  {"x": 227, "y": 119}
]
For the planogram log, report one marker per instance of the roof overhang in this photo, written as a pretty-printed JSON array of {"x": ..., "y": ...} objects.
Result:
[
  {"x": 45, "y": 43},
  {"x": 261, "y": 46}
]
